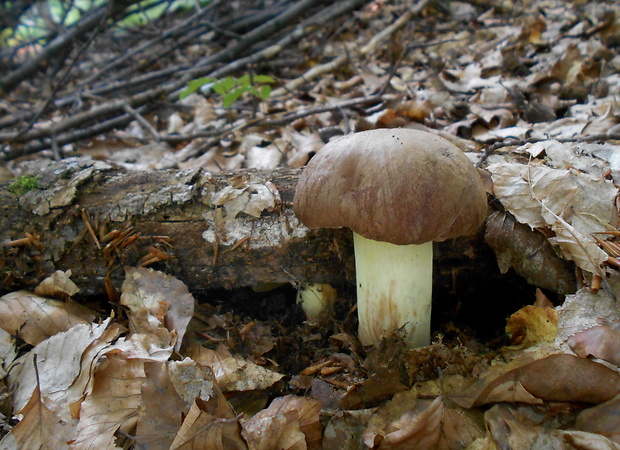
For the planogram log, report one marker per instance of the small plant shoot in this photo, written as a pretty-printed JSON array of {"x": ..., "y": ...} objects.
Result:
[{"x": 231, "y": 88}]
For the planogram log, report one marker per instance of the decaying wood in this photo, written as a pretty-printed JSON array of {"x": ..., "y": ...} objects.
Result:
[{"x": 209, "y": 230}]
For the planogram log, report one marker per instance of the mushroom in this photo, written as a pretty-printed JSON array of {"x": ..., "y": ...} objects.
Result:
[
  {"x": 316, "y": 299},
  {"x": 398, "y": 190}
]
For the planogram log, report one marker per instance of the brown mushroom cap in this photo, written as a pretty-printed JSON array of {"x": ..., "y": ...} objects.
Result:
[{"x": 394, "y": 185}]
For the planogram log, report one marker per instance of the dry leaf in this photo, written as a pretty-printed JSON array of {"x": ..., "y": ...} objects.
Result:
[
  {"x": 168, "y": 393},
  {"x": 252, "y": 197},
  {"x": 57, "y": 285},
  {"x": 344, "y": 430},
  {"x": 39, "y": 428},
  {"x": 8, "y": 352},
  {"x": 513, "y": 426},
  {"x": 113, "y": 403},
  {"x": 206, "y": 429},
  {"x": 573, "y": 204},
  {"x": 288, "y": 423},
  {"x": 531, "y": 378},
  {"x": 61, "y": 364},
  {"x": 529, "y": 253},
  {"x": 303, "y": 145},
  {"x": 584, "y": 310},
  {"x": 263, "y": 152},
  {"x": 601, "y": 341},
  {"x": 162, "y": 296},
  {"x": 281, "y": 431},
  {"x": 437, "y": 426},
  {"x": 233, "y": 373},
  {"x": 161, "y": 409},
  {"x": 34, "y": 318},
  {"x": 602, "y": 419}
]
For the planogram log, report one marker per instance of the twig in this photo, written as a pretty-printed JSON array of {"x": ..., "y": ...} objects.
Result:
[
  {"x": 142, "y": 121},
  {"x": 275, "y": 121},
  {"x": 381, "y": 37},
  {"x": 311, "y": 74},
  {"x": 64, "y": 76}
]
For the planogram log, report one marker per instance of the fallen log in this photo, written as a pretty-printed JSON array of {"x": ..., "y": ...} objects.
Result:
[{"x": 211, "y": 230}]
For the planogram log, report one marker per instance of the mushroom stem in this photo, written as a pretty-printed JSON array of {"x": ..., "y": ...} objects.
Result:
[{"x": 394, "y": 287}]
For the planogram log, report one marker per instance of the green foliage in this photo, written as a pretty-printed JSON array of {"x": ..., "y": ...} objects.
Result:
[
  {"x": 24, "y": 184},
  {"x": 231, "y": 88},
  {"x": 64, "y": 13}
]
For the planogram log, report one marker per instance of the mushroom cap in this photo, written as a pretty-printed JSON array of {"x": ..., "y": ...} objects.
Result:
[{"x": 400, "y": 186}]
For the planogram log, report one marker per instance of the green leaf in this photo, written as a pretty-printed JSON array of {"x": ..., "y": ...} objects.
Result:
[
  {"x": 244, "y": 80},
  {"x": 263, "y": 79},
  {"x": 230, "y": 98},
  {"x": 194, "y": 85},
  {"x": 265, "y": 92},
  {"x": 227, "y": 85}
]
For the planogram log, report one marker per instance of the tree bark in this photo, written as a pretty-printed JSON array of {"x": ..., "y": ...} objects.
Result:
[{"x": 211, "y": 230}]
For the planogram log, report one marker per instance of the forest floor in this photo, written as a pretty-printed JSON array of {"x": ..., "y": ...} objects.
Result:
[{"x": 529, "y": 90}]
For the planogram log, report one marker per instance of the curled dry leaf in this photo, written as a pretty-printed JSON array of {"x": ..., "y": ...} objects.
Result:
[
  {"x": 532, "y": 378},
  {"x": 573, "y": 204},
  {"x": 57, "y": 285},
  {"x": 532, "y": 325},
  {"x": 289, "y": 422},
  {"x": 34, "y": 318},
  {"x": 529, "y": 253},
  {"x": 113, "y": 403},
  {"x": 161, "y": 296},
  {"x": 210, "y": 425}
]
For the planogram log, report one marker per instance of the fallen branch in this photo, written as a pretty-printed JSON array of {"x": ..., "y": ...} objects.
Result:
[{"x": 112, "y": 114}]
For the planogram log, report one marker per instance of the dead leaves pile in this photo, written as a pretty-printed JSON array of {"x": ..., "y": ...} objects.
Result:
[
  {"x": 80, "y": 382},
  {"x": 95, "y": 384},
  {"x": 516, "y": 71}
]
